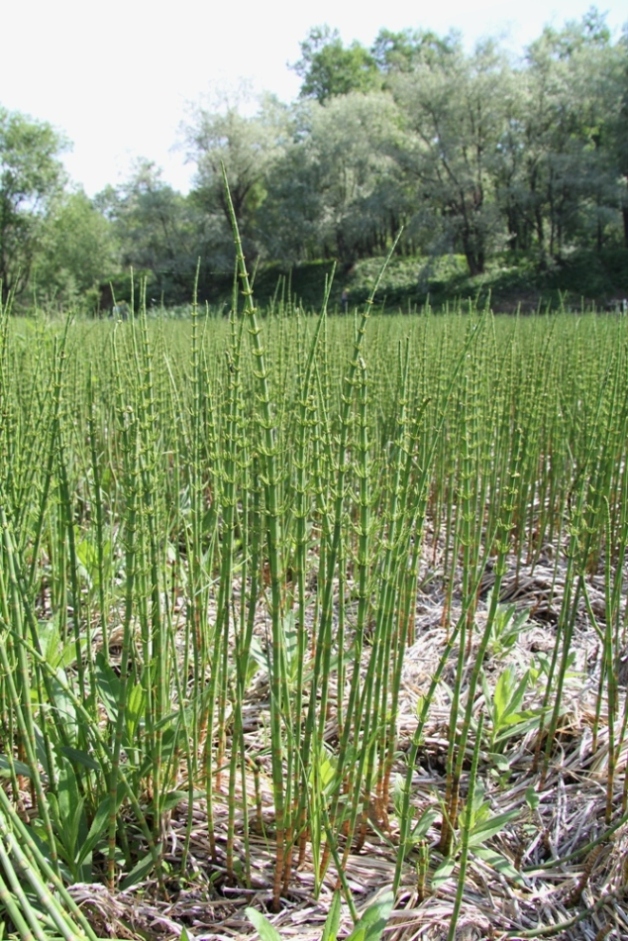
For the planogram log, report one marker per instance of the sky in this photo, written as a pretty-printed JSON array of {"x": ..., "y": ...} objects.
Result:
[{"x": 119, "y": 79}]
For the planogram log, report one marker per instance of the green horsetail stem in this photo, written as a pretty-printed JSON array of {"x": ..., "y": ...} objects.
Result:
[{"x": 269, "y": 469}]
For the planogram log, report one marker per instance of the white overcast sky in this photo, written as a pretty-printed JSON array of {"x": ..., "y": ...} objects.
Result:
[{"x": 115, "y": 77}]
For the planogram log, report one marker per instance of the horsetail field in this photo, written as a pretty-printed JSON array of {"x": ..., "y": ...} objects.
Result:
[{"x": 314, "y": 627}]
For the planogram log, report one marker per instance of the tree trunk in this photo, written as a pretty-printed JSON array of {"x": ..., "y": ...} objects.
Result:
[{"x": 473, "y": 253}]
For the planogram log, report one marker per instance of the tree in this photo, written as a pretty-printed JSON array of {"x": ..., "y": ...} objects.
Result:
[
  {"x": 335, "y": 191},
  {"x": 454, "y": 117},
  {"x": 566, "y": 180},
  {"x": 247, "y": 148},
  {"x": 329, "y": 69},
  {"x": 289, "y": 227},
  {"x": 160, "y": 232},
  {"x": 351, "y": 142},
  {"x": 76, "y": 253},
  {"x": 31, "y": 176},
  {"x": 621, "y": 135},
  {"x": 404, "y": 51}
]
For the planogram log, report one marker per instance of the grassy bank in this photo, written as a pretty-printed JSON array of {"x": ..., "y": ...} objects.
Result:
[{"x": 580, "y": 281}]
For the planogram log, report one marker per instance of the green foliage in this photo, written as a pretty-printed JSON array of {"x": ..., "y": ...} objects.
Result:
[
  {"x": 330, "y": 69},
  {"x": 480, "y": 822},
  {"x": 455, "y": 112},
  {"x": 519, "y": 168},
  {"x": 77, "y": 252},
  {"x": 505, "y": 709},
  {"x": 478, "y": 827},
  {"x": 421, "y": 823},
  {"x": 247, "y": 148},
  {"x": 403, "y": 51},
  {"x": 369, "y": 927},
  {"x": 31, "y": 176},
  {"x": 471, "y": 154},
  {"x": 264, "y": 927},
  {"x": 159, "y": 233},
  {"x": 505, "y": 627}
]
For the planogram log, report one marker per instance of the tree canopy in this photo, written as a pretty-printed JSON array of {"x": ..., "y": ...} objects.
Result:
[
  {"x": 474, "y": 154},
  {"x": 31, "y": 176},
  {"x": 328, "y": 68}
]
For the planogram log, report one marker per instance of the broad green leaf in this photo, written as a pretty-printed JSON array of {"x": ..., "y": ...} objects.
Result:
[
  {"x": 97, "y": 831},
  {"x": 76, "y": 827},
  {"x": 173, "y": 798},
  {"x": 172, "y": 719},
  {"x": 258, "y": 655},
  {"x": 514, "y": 718},
  {"x": 323, "y": 775},
  {"x": 508, "y": 696},
  {"x": 139, "y": 872},
  {"x": 517, "y": 695},
  {"x": 532, "y": 798},
  {"x": 374, "y": 920},
  {"x": 56, "y": 652},
  {"x": 520, "y": 727},
  {"x": 68, "y": 793},
  {"x": 80, "y": 757},
  {"x": 87, "y": 555},
  {"x": 398, "y": 794},
  {"x": 443, "y": 872},
  {"x": 63, "y": 702},
  {"x": 332, "y": 921},
  {"x": 499, "y": 863},
  {"x": 425, "y": 821},
  {"x": 501, "y": 696},
  {"x": 170, "y": 743},
  {"x": 488, "y": 828},
  {"x": 262, "y": 924},
  {"x": 499, "y": 761},
  {"x": 41, "y": 751},
  {"x": 134, "y": 710},
  {"x": 108, "y": 686},
  {"x": 18, "y": 766},
  {"x": 358, "y": 934},
  {"x": 488, "y": 699},
  {"x": 481, "y": 809}
]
